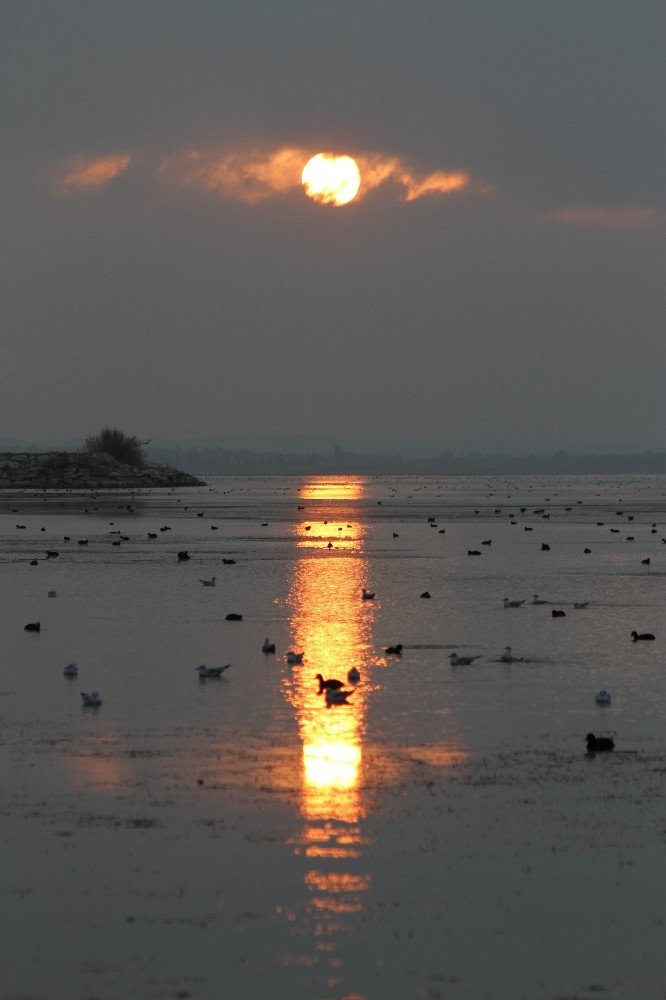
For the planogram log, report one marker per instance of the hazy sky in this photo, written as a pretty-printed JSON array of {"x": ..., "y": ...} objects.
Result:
[{"x": 498, "y": 282}]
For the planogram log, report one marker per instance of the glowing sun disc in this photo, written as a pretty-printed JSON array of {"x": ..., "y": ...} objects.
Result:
[{"x": 331, "y": 179}]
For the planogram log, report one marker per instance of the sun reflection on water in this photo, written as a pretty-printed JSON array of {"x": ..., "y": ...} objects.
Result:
[{"x": 333, "y": 626}]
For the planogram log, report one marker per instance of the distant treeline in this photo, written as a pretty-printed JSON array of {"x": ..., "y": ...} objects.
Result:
[{"x": 224, "y": 461}]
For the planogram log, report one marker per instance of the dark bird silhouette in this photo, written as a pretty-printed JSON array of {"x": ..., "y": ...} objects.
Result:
[
  {"x": 183, "y": 556},
  {"x": 394, "y": 650},
  {"x": 425, "y": 594},
  {"x": 545, "y": 547},
  {"x": 32, "y": 627},
  {"x": 597, "y": 743},
  {"x": 234, "y": 617},
  {"x": 643, "y": 636},
  {"x": 558, "y": 614},
  {"x": 328, "y": 685},
  {"x": 52, "y": 554}
]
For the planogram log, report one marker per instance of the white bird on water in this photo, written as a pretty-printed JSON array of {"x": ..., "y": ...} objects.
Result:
[
  {"x": 205, "y": 671},
  {"x": 512, "y": 604},
  {"x": 538, "y": 600},
  {"x": 91, "y": 700},
  {"x": 508, "y": 657},
  {"x": 209, "y": 583},
  {"x": 462, "y": 661}
]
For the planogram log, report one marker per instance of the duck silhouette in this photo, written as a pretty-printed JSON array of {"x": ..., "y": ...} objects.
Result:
[
  {"x": 332, "y": 684},
  {"x": 636, "y": 636},
  {"x": 394, "y": 650},
  {"x": 598, "y": 743},
  {"x": 268, "y": 647},
  {"x": 337, "y": 697}
]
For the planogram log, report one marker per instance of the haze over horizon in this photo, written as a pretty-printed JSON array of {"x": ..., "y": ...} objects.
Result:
[{"x": 497, "y": 285}]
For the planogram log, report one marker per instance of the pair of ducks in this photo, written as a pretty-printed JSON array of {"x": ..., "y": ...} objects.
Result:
[
  {"x": 332, "y": 689},
  {"x": 293, "y": 658}
]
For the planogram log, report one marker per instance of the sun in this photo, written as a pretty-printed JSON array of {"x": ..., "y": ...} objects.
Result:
[{"x": 331, "y": 179}]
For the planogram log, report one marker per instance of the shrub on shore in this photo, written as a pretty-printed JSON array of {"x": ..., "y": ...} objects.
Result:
[{"x": 125, "y": 448}]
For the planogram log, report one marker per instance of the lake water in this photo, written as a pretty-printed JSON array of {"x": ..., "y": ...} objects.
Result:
[{"x": 444, "y": 835}]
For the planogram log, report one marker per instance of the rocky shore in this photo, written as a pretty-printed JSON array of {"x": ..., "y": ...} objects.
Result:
[{"x": 63, "y": 470}]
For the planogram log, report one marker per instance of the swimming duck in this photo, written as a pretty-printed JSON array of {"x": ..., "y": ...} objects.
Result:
[
  {"x": 425, "y": 594},
  {"x": 294, "y": 658},
  {"x": 558, "y": 614},
  {"x": 205, "y": 671},
  {"x": 354, "y": 675},
  {"x": 91, "y": 700},
  {"x": 53, "y": 593},
  {"x": 512, "y": 604},
  {"x": 35, "y": 627},
  {"x": 595, "y": 743},
  {"x": 642, "y": 637},
  {"x": 337, "y": 697},
  {"x": 462, "y": 661},
  {"x": 394, "y": 650},
  {"x": 368, "y": 595},
  {"x": 233, "y": 617},
  {"x": 71, "y": 670},
  {"x": 538, "y": 600},
  {"x": 268, "y": 647},
  {"x": 209, "y": 583},
  {"x": 603, "y": 698},
  {"x": 182, "y": 556}
]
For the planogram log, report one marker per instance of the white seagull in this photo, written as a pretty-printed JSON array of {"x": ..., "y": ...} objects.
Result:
[
  {"x": 462, "y": 661},
  {"x": 205, "y": 671},
  {"x": 209, "y": 583},
  {"x": 508, "y": 657},
  {"x": 512, "y": 604},
  {"x": 91, "y": 700},
  {"x": 538, "y": 600}
]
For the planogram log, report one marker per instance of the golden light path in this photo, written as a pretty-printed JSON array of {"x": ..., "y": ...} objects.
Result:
[
  {"x": 333, "y": 626},
  {"x": 331, "y": 179}
]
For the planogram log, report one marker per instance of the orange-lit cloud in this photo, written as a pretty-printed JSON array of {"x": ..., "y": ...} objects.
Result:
[
  {"x": 88, "y": 172},
  {"x": 604, "y": 218},
  {"x": 254, "y": 176}
]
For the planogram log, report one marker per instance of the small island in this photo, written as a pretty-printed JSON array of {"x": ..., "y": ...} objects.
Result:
[{"x": 110, "y": 459}]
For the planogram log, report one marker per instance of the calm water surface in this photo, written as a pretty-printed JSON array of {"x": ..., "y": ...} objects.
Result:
[{"x": 443, "y": 835}]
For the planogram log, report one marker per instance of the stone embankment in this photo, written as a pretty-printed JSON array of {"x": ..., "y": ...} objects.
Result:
[{"x": 64, "y": 470}]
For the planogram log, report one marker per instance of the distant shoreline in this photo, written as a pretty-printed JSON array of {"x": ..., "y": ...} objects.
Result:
[
  {"x": 62, "y": 470},
  {"x": 223, "y": 462}
]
